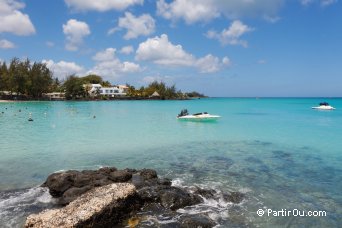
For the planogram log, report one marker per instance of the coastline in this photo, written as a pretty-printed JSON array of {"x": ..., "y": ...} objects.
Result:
[
  {"x": 110, "y": 99},
  {"x": 7, "y": 101}
]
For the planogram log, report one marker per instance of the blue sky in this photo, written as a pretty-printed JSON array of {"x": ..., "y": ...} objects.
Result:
[{"x": 217, "y": 47}]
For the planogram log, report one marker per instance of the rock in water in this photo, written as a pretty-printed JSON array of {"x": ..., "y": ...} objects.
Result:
[
  {"x": 192, "y": 221},
  {"x": 234, "y": 197},
  {"x": 175, "y": 198},
  {"x": 100, "y": 207}
]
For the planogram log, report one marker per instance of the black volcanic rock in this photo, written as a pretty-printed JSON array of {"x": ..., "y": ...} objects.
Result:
[
  {"x": 148, "y": 174},
  {"x": 206, "y": 193},
  {"x": 194, "y": 221},
  {"x": 149, "y": 192},
  {"x": 175, "y": 198},
  {"x": 72, "y": 193},
  {"x": 120, "y": 176},
  {"x": 234, "y": 197},
  {"x": 58, "y": 183}
]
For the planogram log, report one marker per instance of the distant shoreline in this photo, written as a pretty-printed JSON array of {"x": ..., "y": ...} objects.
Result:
[
  {"x": 7, "y": 101},
  {"x": 109, "y": 99}
]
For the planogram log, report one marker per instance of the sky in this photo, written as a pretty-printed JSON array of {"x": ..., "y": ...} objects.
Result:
[{"x": 233, "y": 48}]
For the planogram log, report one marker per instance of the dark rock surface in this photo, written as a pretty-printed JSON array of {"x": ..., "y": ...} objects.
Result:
[
  {"x": 234, "y": 197},
  {"x": 206, "y": 193},
  {"x": 175, "y": 198},
  {"x": 67, "y": 186},
  {"x": 194, "y": 221},
  {"x": 153, "y": 196}
]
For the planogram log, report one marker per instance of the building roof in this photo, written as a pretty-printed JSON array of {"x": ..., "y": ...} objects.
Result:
[{"x": 155, "y": 94}]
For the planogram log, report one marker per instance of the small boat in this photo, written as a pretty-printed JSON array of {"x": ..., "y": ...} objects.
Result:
[
  {"x": 324, "y": 106},
  {"x": 202, "y": 116}
]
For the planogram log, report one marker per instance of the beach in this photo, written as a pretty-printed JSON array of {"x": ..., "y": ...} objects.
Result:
[
  {"x": 6, "y": 101},
  {"x": 279, "y": 153}
]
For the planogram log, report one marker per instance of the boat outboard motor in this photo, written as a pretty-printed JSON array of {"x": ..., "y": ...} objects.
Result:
[{"x": 184, "y": 112}]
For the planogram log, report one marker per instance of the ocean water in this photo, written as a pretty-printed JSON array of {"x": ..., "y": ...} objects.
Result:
[{"x": 278, "y": 151}]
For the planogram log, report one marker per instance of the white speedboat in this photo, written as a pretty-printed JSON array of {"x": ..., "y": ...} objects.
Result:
[
  {"x": 324, "y": 106},
  {"x": 202, "y": 116}
]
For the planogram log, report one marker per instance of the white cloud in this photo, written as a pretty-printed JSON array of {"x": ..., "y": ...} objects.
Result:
[
  {"x": 62, "y": 69},
  {"x": 232, "y": 34},
  {"x": 75, "y": 31},
  {"x": 149, "y": 79},
  {"x": 208, "y": 64},
  {"x": 249, "y": 8},
  {"x": 101, "y": 5},
  {"x": 50, "y": 43},
  {"x": 327, "y": 2},
  {"x": 321, "y": 2},
  {"x": 192, "y": 11},
  {"x": 127, "y": 50},
  {"x": 14, "y": 21},
  {"x": 226, "y": 61},
  {"x": 113, "y": 30},
  {"x": 106, "y": 55},
  {"x": 109, "y": 66},
  {"x": 160, "y": 50},
  {"x": 262, "y": 61},
  {"x": 143, "y": 25},
  {"x": 211, "y": 64},
  {"x": 306, "y": 2},
  {"x": 5, "y": 44},
  {"x": 271, "y": 19}
]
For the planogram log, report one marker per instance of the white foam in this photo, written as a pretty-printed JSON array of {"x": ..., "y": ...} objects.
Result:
[
  {"x": 45, "y": 197},
  {"x": 216, "y": 207},
  {"x": 22, "y": 197},
  {"x": 15, "y": 206},
  {"x": 177, "y": 182},
  {"x": 60, "y": 171}
]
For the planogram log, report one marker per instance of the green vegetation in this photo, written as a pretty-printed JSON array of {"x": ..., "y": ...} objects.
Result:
[
  {"x": 94, "y": 79},
  {"x": 164, "y": 92},
  {"x": 194, "y": 94},
  {"x": 26, "y": 80},
  {"x": 74, "y": 89},
  {"x": 78, "y": 87}
]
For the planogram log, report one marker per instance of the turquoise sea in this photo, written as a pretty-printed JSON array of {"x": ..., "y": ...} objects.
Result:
[{"x": 278, "y": 151}]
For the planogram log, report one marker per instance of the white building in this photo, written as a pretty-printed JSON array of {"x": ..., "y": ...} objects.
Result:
[
  {"x": 114, "y": 91},
  {"x": 55, "y": 95}
]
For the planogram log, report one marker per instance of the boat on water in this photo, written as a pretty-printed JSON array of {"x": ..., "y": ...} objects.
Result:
[
  {"x": 201, "y": 116},
  {"x": 324, "y": 106}
]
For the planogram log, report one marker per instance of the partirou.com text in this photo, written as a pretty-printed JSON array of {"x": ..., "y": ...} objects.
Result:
[{"x": 292, "y": 212}]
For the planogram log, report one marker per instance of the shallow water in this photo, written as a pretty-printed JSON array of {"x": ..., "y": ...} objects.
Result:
[{"x": 279, "y": 152}]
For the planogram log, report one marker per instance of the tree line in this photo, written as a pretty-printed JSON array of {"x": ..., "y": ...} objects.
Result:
[
  {"x": 24, "y": 78},
  {"x": 165, "y": 92},
  {"x": 27, "y": 80}
]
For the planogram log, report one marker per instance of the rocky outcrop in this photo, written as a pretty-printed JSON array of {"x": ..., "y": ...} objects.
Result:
[
  {"x": 107, "y": 196},
  {"x": 101, "y": 207},
  {"x": 67, "y": 186}
]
